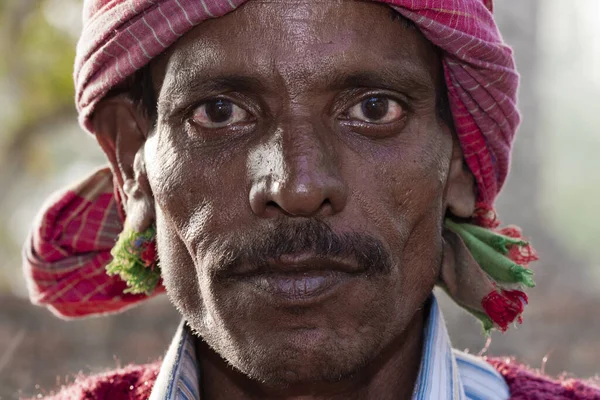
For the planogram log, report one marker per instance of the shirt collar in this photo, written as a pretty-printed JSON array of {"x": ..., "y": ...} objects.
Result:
[
  {"x": 438, "y": 375},
  {"x": 178, "y": 378},
  {"x": 444, "y": 374}
]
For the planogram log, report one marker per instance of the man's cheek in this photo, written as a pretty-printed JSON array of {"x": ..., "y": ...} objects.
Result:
[
  {"x": 165, "y": 168},
  {"x": 178, "y": 270},
  {"x": 418, "y": 185}
]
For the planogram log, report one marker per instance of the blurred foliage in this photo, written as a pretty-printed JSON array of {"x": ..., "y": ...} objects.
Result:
[
  {"x": 36, "y": 73},
  {"x": 37, "y": 41},
  {"x": 47, "y": 89}
]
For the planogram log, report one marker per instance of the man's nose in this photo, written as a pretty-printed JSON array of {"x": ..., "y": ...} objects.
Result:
[{"x": 297, "y": 174}]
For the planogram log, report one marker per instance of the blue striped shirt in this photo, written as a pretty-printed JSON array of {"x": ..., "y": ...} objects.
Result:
[{"x": 445, "y": 373}]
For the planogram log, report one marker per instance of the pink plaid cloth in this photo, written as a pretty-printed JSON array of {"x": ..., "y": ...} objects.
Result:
[
  {"x": 65, "y": 258},
  {"x": 69, "y": 248}
]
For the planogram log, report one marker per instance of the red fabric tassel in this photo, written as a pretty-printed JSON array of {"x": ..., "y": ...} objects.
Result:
[
  {"x": 511, "y": 231},
  {"x": 149, "y": 255},
  {"x": 485, "y": 216},
  {"x": 504, "y": 307},
  {"x": 522, "y": 255}
]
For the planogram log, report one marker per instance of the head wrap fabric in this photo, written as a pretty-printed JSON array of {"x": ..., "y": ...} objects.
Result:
[{"x": 66, "y": 255}]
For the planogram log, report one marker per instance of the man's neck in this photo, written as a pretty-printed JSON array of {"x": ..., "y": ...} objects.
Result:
[{"x": 391, "y": 375}]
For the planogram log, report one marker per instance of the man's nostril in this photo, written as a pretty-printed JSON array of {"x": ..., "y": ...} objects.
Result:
[{"x": 272, "y": 204}]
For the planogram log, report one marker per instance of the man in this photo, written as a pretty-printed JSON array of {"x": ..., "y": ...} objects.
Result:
[{"x": 308, "y": 171}]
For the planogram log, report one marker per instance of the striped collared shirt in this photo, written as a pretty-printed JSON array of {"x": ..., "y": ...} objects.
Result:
[{"x": 445, "y": 373}]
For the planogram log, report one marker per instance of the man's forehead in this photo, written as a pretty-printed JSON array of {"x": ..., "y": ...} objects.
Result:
[
  {"x": 323, "y": 25},
  {"x": 284, "y": 37}
]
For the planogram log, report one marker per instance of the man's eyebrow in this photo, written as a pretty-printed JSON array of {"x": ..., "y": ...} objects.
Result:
[
  {"x": 193, "y": 85},
  {"x": 227, "y": 82},
  {"x": 189, "y": 85},
  {"x": 413, "y": 82}
]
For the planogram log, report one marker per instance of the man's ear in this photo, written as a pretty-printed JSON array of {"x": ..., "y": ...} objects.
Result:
[
  {"x": 121, "y": 130},
  {"x": 460, "y": 186},
  {"x": 460, "y": 274}
]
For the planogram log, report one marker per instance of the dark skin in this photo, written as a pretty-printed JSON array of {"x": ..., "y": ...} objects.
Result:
[{"x": 307, "y": 123}]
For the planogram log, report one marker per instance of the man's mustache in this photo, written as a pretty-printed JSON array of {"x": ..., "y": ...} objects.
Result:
[{"x": 254, "y": 250}]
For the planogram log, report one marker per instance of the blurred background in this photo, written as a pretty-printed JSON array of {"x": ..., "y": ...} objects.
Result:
[{"x": 553, "y": 193}]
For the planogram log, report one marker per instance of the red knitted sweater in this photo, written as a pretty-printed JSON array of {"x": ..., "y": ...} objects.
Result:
[{"x": 135, "y": 383}]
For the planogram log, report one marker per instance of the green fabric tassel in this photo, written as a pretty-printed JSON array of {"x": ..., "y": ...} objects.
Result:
[
  {"x": 486, "y": 322},
  {"x": 134, "y": 260},
  {"x": 489, "y": 249},
  {"x": 493, "y": 239}
]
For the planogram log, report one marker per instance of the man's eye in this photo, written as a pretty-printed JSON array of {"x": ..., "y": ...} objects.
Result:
[
  {"x": 376, "y": 110},
  {"x": 218, "y": 113}
]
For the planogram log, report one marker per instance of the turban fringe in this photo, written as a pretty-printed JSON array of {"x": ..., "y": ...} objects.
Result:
[
  {"x": 482, "y": 85},
  {"x": 66, "y": 255}
]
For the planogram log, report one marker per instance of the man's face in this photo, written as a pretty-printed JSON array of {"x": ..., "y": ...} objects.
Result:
[{"x": 298, "y": 167}]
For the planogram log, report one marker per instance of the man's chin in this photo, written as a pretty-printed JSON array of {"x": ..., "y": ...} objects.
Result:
[
  {"x": 299, "y": 357},
  {"x": 324, "y": 336}
]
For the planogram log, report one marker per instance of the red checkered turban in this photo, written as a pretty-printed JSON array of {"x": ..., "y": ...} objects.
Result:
[{"x": 121, "y": 36}]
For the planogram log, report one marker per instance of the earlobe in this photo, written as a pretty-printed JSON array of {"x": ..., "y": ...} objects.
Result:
[
  {"x": 121, "y": 130},
  {"x": 460, "y": 186},
  {"x": 463, "y": 279},
  {"x": 460, "y": 274},
  {"x": 139, "y": 199}
]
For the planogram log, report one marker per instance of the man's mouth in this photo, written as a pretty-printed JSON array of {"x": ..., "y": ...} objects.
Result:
[
  {"x": 299, "y": 278},
  {"x": 299, "y": 287}
]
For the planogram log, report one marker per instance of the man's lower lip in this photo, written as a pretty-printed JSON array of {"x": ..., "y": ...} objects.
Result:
[{"x": 300, "y": 286}]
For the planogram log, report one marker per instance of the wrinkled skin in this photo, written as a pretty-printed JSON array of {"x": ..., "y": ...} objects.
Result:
[{"x": 295, "y": 163}]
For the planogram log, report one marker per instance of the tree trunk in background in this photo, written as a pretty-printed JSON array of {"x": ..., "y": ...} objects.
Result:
[
  {"x": 517, "y": 20},
  {"x": 520, "y": 199},
  {"x": 520, "y": 202}
]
